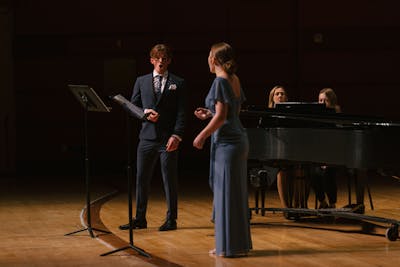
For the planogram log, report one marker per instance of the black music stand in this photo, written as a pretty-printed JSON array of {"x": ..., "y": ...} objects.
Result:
[
  {"x": 138, "y": 113},
  {"x": 90, "y": 102}
]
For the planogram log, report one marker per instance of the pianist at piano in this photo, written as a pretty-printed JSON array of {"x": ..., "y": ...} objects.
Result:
[
  {"x": 278, "y": 94},
  {"x": 323, "y": 178},
  {"x": 292, "y": 133}
]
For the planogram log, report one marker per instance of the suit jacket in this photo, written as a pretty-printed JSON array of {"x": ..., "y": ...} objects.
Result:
[{"x": 170, "y": 107}]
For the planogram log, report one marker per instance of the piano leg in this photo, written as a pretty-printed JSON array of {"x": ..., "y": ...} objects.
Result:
[
  {"x": 370, "y": 197},
  {"x": 262, "y": 189},
  {"x": 360, "y": 177},
  {"x": 349, "y": 188},
  {"x": 256, "y": 199}
]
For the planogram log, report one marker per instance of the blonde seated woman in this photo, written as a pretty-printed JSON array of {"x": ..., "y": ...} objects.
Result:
[
  {"x": 290, "y": 194},
  {"x": 292, "y": 186},
  {"x": 278, "y": 95}
]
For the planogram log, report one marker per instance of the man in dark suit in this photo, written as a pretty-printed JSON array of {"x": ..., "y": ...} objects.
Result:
[{"x": 161, "y": 95}]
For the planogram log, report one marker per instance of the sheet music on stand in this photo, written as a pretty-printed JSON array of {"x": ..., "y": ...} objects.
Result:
[{"x": 88, "y": 98}]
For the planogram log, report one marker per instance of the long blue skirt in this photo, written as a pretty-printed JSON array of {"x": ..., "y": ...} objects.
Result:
[{"x": 231, "y": 207}]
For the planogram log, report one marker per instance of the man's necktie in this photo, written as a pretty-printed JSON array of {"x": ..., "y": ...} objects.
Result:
[{"x": 157, "y": 85}]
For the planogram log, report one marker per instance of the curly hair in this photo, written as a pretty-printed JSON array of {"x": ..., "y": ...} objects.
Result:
[{"x": 159, "y": 49}]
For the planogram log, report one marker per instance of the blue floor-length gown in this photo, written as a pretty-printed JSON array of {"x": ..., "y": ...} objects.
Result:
[{"x": 228, "y": 174}]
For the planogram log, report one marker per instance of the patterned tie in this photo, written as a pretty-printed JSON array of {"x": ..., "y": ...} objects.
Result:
[{"x": 157, "y": 85}]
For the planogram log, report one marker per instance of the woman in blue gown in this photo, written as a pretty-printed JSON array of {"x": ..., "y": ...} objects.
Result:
[{"x": 229, "y": 150}]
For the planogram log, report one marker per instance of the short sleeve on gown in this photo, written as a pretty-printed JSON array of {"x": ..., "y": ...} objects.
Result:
[{"x": 222, "y": 92}]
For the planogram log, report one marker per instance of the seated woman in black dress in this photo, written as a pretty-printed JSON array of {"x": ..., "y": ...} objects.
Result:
[{"x": 324, "y": 178}]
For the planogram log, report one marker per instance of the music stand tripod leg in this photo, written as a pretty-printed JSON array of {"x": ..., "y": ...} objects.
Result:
[{"x": 131, "y": 245}]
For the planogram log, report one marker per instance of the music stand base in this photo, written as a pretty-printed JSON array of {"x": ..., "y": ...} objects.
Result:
[
  {"x": 139, "y": 250},
  {"x": 90, "y": 230}
]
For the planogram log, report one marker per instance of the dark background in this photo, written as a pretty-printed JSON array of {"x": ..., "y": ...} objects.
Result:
[{"x": 351, "y": 46}]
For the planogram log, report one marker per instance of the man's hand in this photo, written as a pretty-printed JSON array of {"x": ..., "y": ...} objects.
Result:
[
  {"x": 152, "y": 115},
  {"x": 172, "y": 144}
]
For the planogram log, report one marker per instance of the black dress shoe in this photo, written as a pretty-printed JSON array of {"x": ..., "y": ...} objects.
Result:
[
  {"x": 168, "y": 225},
  {"x": 136, "y": 224}
]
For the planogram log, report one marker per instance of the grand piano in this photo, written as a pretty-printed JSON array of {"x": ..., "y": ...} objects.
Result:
[{"x": 309, "y": 133}]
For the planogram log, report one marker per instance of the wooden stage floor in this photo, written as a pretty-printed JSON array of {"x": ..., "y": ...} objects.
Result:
[{"x": 37, "y": 212}]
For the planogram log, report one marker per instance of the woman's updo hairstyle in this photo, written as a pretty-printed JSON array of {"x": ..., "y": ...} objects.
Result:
[{"x": 225, "y": 56}]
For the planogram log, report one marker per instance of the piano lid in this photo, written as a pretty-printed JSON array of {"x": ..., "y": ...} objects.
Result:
[{"x": 292, "y": 114}]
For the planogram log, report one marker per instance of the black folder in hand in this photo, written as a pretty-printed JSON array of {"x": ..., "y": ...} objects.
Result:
[{"x": 129, "y": 107}]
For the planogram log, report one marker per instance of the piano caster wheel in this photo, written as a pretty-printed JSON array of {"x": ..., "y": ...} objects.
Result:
[
  {"x": 392, "y": 233},
  {"x": 262, "y": 212}
]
